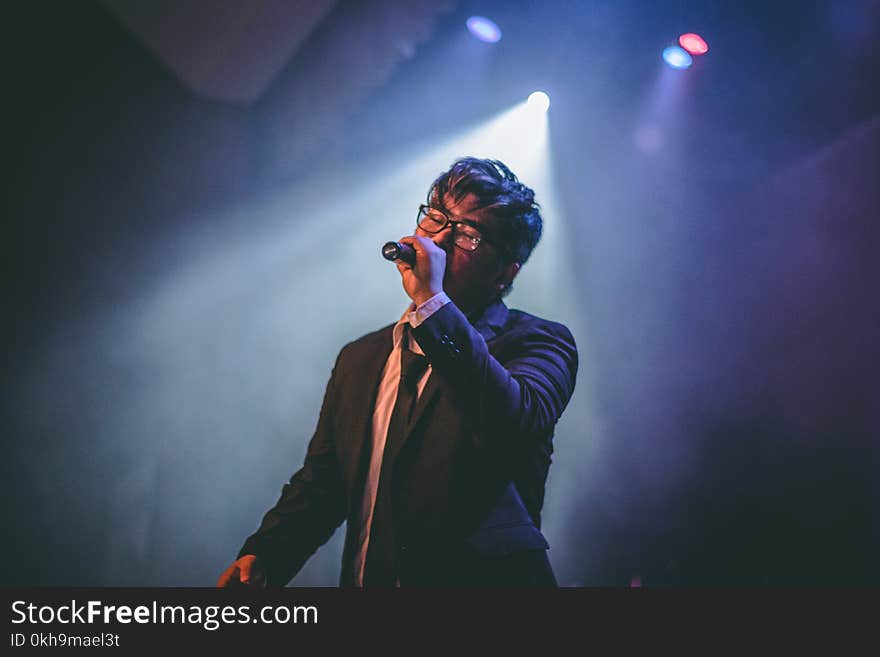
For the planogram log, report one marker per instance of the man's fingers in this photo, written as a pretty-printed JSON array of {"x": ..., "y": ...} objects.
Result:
[
  {"x": 417, "y": 242},
  {"x": 228, "y": 576},
  {"x": 252, "y": 573},
  {"x": 245, "y": 569}
]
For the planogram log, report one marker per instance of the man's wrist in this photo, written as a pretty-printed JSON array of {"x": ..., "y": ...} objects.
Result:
[
  {"x": 424, "y": 310},
  {"x": 420, "y": 299}
]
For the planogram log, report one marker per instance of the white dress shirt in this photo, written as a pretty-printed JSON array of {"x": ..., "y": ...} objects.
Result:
[{"x": 385, "y": 399}]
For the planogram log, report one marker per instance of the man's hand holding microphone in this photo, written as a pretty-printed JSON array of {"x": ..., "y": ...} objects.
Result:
[{"x": 421, "y": 264}]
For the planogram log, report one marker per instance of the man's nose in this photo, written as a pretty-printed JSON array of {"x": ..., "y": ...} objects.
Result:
[{"x": 444, "y": 237}]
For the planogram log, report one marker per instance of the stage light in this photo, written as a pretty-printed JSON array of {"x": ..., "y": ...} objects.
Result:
[
  {"x": 484, "y": 29},
  {"x": 693, "y": 43},
  {"x": 677, "y": 57},
  {"x": 539, "y": 101}
]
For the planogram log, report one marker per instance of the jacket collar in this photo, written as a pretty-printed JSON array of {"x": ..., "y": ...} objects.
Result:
[{"x": 491, "y": 320}]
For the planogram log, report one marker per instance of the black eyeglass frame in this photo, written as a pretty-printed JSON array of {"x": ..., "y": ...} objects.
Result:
[{"x": 423, "y": 211}]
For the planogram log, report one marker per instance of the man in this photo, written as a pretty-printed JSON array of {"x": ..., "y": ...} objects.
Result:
[{"x": 435, "y": 433}]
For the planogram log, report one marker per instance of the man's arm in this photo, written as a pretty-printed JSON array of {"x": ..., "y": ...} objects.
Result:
[
  {"x": 522, "y": 398},
  {"x": 525, "y": 396},
  {"x": 311, "y": 507}
]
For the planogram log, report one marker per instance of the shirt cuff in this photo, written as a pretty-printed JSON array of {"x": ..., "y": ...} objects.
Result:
[{"x": 424, "y": 311}]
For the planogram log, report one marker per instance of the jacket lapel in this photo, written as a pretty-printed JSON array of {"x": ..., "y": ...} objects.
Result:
[{"x": 362, "y": 406}]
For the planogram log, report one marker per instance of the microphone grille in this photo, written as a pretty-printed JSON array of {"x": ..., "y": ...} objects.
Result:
[{"x": 391, "y": 250}]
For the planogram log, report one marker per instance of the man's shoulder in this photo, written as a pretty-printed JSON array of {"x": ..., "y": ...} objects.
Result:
[
  {"x": 521, "y": 321},
  {"x": 524, "y": 332},
  {"x": 368, "y": 344}
]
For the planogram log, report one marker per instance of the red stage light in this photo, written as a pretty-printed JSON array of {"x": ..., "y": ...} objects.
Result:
[{"x": 693, "y": 43}]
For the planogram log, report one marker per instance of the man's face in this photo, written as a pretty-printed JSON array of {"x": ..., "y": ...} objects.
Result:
[{"x": 473, "y": 278}]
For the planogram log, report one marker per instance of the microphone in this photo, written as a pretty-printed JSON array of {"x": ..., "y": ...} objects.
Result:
[{"x": 397, "y": 251}]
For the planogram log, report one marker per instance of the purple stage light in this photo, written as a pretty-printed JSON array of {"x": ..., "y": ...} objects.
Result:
[{"x": 484, "y": 29}]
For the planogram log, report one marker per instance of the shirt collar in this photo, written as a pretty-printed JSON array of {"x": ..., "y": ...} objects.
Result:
[{"x": 401, "y": 329}]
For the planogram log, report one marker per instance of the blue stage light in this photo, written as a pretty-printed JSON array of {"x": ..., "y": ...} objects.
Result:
[
  {"x": 677, "y": 57},
  {"x": 484, "y": 29}
]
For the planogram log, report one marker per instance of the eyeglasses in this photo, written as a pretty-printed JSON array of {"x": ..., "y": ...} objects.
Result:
[{"x": 466, "y": 234}]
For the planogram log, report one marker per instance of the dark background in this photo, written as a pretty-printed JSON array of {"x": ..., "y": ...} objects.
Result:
[{"x": 172, "y": 307}]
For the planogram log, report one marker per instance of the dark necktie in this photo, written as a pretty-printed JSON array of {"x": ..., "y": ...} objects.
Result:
[{"x": 381, "y": 568}]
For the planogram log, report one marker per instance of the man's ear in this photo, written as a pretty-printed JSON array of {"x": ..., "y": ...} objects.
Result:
[{"x": 508, "y": 273}]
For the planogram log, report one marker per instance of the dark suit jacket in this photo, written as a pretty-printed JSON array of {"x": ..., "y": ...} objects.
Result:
[{"x": 469, "y": 478}]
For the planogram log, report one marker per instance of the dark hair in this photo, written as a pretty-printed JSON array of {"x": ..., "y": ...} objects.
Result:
[{"x": 499, "y": 190}]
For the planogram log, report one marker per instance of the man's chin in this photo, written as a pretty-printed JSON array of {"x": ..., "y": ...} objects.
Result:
[
  {"x": 463, "y": 298},
  {"x": 464, "y": 302},
  {"x": 457, "y": 298}
]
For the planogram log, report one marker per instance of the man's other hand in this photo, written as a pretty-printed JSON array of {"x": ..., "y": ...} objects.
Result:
[{"x": 246, "y": 571}]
